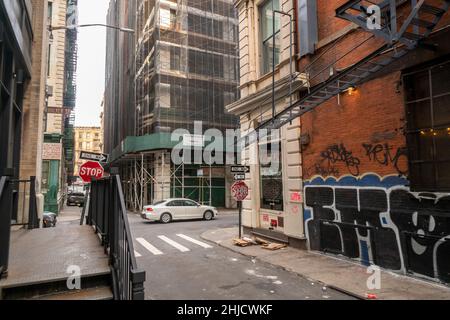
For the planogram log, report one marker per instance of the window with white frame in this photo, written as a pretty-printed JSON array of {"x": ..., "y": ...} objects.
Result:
[
  {"x": 270, "y": 53},
  {"x": 271, "y": 173}
]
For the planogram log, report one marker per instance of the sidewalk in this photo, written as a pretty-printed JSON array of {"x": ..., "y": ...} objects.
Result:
[
  {"x": 69, "y": 215},
  {"x": 223, "y": 211},
  {"x": 333, "y": 272}
]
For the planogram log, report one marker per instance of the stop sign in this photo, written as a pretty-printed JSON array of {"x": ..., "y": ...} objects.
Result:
[
  {"x": 239, "y": 190},
  {"x": 91, "y": 169}
]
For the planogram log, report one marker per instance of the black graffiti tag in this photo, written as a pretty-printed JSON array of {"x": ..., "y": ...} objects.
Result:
[
  {"x": 385, "y": 155},
  {"x": 321, "y": 170},
  {"x": 339, "y": 154}
]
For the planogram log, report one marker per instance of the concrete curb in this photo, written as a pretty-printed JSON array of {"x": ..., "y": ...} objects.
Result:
[
  {"x": 347, "y": 277},
  {"x": 220, "y": 244}
]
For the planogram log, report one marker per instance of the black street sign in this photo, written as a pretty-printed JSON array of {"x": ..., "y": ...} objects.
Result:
[
  {"x": 90, "y": 156},
  {"x": 239, "y": 177},
  {"x": 240, "y": 169}
]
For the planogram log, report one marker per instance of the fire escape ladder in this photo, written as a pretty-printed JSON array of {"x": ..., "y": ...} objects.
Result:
[
  {"x": 401, "y": 36},
  {"x": 404, "y": 21}
]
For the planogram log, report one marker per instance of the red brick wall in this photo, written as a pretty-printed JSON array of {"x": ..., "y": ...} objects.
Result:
[
  {"x": 327, "y": 20},
  {"x": 363, "y": 134}
]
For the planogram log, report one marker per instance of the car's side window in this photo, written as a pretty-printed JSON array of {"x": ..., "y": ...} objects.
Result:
[
  {"x": 188, "y": 203},
  {"x": 172, "y": 204}
]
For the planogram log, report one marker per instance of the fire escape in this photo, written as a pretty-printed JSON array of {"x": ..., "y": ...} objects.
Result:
[
  {"x": 405, "y": 24},
  {"x": 70, "y": 93}
]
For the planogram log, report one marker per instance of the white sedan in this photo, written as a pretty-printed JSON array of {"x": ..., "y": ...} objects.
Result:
[{"x": 169, "y": 210}]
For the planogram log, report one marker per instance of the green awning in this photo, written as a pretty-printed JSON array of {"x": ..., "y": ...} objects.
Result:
[{"x": 149, "y": 143}]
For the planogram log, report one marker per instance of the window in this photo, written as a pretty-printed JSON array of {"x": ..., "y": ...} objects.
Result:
[
  {"x": 189, "y": 203},
  {"x": 271, "y": 176},
  {"x": 173, "y": 18},
  {"x": 175, "y": 58},
  {"x": 49, "y": 58},
  {"x": 45, "y": 175},
  {"x": 164, "y": 58},
  {"x": 307, "y": 26},
  {"x": 428, "y": 133},
  {"x": 267, "y": 35},
  {"x": 176, "y": 203},
  {"x": 50, "y": 13}
]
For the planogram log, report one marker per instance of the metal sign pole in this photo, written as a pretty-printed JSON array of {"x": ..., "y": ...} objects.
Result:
[
  {"x": 240, "y": 192},
  {"x": 240, "y": 219},
  {"x": 87, "y": 199}
]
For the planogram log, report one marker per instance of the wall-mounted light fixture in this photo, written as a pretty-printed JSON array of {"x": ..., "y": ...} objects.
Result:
[{"x": 351, "y": 90}]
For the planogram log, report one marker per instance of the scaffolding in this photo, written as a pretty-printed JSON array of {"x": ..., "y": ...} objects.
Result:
[
  {"x": 186, "y": 70},
  {"x": 186, "y": 64},
  {"x": 151, "y": 177}
]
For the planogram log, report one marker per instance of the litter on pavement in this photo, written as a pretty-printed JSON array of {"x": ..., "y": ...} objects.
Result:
[{"x": 246, "y": 242}]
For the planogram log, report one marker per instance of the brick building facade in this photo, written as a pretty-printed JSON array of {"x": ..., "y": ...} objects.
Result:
[
  {"x": 87, "y": 139},
  {"x": 375, "y": 167}
]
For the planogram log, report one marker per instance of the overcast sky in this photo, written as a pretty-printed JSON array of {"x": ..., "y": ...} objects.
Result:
[{"x": 91, "y": 62}]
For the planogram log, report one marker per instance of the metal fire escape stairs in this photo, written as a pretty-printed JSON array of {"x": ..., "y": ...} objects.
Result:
[{"x": 404, "y": 25}]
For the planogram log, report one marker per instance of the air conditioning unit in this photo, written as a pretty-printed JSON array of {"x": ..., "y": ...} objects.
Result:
[
  {"x": 305, "y": 79},
  {"x": 49, "y": 91}
]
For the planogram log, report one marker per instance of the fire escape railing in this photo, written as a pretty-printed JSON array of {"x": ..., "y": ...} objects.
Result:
[
  {"x": 401, "y": 33},
  {"x": 108, "y": 214}
]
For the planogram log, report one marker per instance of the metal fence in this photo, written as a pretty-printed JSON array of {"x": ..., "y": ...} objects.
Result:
[
  {"x": 18, "y": 206},
  {"x": 24, "y": 210},
  {"x": 108, "y": 214},
  {"x": 5, "y": 223}
]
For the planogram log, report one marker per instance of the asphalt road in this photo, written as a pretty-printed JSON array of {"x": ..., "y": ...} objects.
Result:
[{"x": 182, "y": 266}]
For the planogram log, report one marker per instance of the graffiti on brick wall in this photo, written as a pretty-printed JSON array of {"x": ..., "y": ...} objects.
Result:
[
  {"x": 323, "y": 170},
  {"x": 386, "y": 155},
  {"x": 339, "y": 154},
  {"x": 380, "y": 221},
  {"x": 338, "y": 159}
]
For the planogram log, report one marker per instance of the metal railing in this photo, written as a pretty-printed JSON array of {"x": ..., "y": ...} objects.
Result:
[
  {"x": 108, "y": 215},
  {"x": 24, "y": 210},
  {"x": 13, "y": 199},
  {"x": 5, "y": 223}
]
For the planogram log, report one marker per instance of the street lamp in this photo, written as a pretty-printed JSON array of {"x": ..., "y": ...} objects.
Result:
[{"x": 127, "y": 30}]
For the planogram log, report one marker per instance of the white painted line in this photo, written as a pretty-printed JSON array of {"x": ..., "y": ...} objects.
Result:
[
  {"x": 199, "y": 243},
  {"x": 174, "y": 244},
  {"x": 149, "y": 247},
  {"x": 137, "y": 254}
]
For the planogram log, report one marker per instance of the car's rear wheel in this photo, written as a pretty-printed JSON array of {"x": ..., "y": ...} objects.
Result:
[
  {"x": 208, "y": 216},
  {"x": 166, "y": 218}
]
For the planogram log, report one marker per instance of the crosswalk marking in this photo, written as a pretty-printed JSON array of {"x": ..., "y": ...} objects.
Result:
[
  {"x": 149, "y": 247},
  {"x": 199, "y": 243},
  {"x": 137, "y": 254},
  {"x": 174, "y": 244}
]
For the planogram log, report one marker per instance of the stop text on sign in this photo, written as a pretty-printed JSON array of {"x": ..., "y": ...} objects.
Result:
[
  {"x": 91, "y": 169},
  {"x": 91, "y": 172}
]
